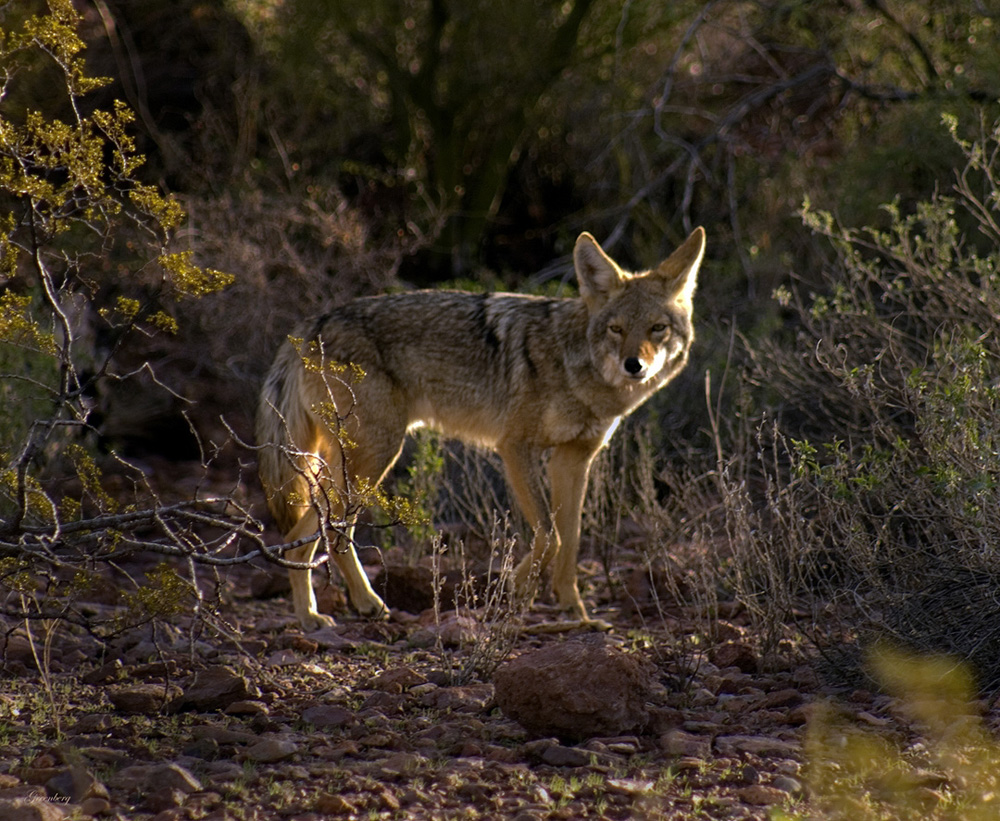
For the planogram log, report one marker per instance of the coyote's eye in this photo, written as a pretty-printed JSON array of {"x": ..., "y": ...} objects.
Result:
[
  {"x": 615, "y": 329},
  {"x": 658, "y": 328}
]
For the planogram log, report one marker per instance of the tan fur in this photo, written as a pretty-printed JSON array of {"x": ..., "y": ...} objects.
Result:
[{"x": 519, "y": 374}]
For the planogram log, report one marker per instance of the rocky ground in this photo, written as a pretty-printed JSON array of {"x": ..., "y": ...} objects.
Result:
[{"x": 392, "y": 720}]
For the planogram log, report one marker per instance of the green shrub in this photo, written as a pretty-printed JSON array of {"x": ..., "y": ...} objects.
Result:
[{"x": 868, "y": 496}]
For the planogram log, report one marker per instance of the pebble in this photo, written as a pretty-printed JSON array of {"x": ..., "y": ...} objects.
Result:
[
  {"x": 757, "y": 745},
  {"x": 559, "y": 756},
  {"x": 270, "y": 750},
  {"x": 761, "y": 795},
  {"x": 327, "y": 716},
  {"x": 679, "y": 742},
  {"x": 790, "y": 785}
]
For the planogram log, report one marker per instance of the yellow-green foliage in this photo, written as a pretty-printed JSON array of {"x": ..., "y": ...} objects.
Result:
[
  {"x": 18, "y": 327},
  {"x": 425, "y": 476},
  {"x": 16, "y": 575},
  {"x": 952, "y": 774},
  {"x": 90, "y": 476},
  {"x": 314, "y": 359},
  {"x": 81, "y": 171},
  {"x": 77, "y": 227},
  {"x": 163, "y": 596},
  {"x": 191, "y": 280},
  {"x": 37, "y": 505},
  {"x": 28, "y": 370},
  {"x": 398, "y": 509}
]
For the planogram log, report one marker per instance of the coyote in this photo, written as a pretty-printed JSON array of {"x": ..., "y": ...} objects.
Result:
[{"x": 519, "y": 374}]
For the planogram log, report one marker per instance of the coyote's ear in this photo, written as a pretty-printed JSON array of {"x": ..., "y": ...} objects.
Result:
[
  {"x": 681, "y": 267},
  {"x": 596, "y": 272}
]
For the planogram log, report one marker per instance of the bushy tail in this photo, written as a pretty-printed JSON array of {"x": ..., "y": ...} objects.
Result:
[{"x": 286, "y": 432}]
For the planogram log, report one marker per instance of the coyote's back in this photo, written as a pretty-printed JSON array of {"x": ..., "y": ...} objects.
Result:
[{"x": 519, "y": 374}]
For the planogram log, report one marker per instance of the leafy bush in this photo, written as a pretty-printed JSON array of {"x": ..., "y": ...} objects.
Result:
[{"x": 868, "y": 497}]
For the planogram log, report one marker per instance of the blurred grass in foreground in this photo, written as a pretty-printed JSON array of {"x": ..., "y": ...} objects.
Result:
[{"x": 942, "y": 764}]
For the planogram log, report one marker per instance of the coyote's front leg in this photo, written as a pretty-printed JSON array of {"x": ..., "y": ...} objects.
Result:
[
  {"x": 569, "y": 470},
  {"x": 556, "y": 528}
]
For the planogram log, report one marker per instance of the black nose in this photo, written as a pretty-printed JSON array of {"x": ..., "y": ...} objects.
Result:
[{"x": 633, "y": 365}]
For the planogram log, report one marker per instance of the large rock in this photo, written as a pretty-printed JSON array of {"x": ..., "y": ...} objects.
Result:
[{"x": 576, "y": 690}]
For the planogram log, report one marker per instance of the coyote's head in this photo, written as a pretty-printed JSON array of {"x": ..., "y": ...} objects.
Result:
[{"x": 640, "y": 324}]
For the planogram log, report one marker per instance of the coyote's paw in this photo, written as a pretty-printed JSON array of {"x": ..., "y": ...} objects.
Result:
[
  {"x": 372, "y": 608},
  {"x": 570, "y": 601},
  {"x": 314, "y": 620}
]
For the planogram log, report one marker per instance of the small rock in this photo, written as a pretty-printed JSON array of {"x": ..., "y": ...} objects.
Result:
[
  {"x": 206, "y": 749},
  {"x": 805, "y": 713},
  {"x": 559, "y": 756},
  {"x": 130, "y": 779},
  {"x": 30, "y": 809},
  {"x": 214, "y": 689},
  {"x": 400, "y": 764},
  {"x": 756, "y": 745},
  {"x": 267, "y": 584},
  {"x": 735, "y": 654},
  {"x": 337, "y": 752},
  {"x": 93, "y": 723},
  {"x": 282, "y": 658},
  {"x": 40, "y": 770},
  {"x": 106, "y": 672},
  {"x": 471, "y": 698},
  {"x": 805, "y": 677},
  {"x": 385, "y": 703},
  {"x": 782, "y": 698},
  {"x": 16, "y": 647},
  {"x": 330, "y": 638},
  {"x": 223, "y": 772},
  {"x": 301, "y": 644},
  {"x": 247, "y": 708},
  {"x": 270, "y": 750},
  {"x": 328, "y": 716},
  {"x": 143, "y": 699},
  {"x": 163, "y": 799},
  {"x": 536, "y": 749},
  {"x": 331, "y": 598},
  {"x": 76, "y": 784},
  {"x": 748, "y": 774},
  {"x": 223, "y": 735},
  {"x": 629, "y": 786},
  {"x": 329, "y": 804},
  {"x": 174, "y": 777},
  {"x": 678, "y": 742},
  {"x": 455, "y": 630},
  {"x": 760, "y": 795},
  {"x": 397, "y": 679},
  {"x": 790, "y": 785},
  {"x": 389, "y": 801},
  {"x": 95, "y": 806},
  {"x": 576, "y": 690}
]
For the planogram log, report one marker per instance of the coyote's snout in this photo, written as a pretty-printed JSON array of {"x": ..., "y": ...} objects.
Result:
[{"x": 519, "y": 374}]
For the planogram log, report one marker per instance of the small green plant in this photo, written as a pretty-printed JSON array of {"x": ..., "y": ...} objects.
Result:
[{"x": 425, "y": 475}]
